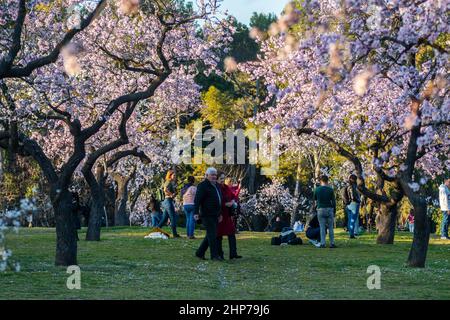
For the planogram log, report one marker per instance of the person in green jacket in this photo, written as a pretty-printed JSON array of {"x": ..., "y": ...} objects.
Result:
[{"x": 325, "y": 201}]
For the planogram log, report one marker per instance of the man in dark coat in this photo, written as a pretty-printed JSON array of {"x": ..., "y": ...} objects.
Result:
[{"x": 207, "y": 205}]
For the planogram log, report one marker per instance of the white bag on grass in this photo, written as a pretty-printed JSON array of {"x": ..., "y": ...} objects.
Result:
[{"x": 156, "y": 235}]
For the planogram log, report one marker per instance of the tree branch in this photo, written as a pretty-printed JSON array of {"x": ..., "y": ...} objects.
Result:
[
  {"x": 122, "y": 154},
  {"x": 354, "y": 159},
  {"x": 19, "y": 72},
  {"x": 7, "y": 61}
]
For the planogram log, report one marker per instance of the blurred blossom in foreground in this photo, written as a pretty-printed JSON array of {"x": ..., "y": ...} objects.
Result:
[
  {"x": 70, "y": 55},
  {"x": 129, "y": 6},
  {"x": 230, "y": 64}
]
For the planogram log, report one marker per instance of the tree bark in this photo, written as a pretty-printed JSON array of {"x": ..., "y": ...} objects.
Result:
[
  {"x": 97, "y": 211},
  {"x": 316, "y": 157},
  {"x": 1, "y": 165},
  {"x": 297, "y": 181},
  {"x": 12, "y": 147},
  {"x": 370, "y": 216},
  {"x": 386, "y": 227},
  {"x": 66, "y": 232},
  {"x": 296, "y": 193},
  {"x": 418, "y": 252},
  {"x": 121, "y": 217},
  {"x": 134, "y": 197},
  {"x": 251, "y": 179}
]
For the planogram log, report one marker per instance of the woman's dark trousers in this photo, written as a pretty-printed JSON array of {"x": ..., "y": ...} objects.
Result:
[{"x": 231, "y": 244}]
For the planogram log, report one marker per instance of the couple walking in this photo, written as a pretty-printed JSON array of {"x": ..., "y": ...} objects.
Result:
[
  {"x": 213, "y": 203},
  {"x": 168, "y": 207}
]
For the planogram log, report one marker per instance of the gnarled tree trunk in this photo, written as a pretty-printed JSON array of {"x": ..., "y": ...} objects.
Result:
[
  {"x": 418, "y": 252},
  {"x": 386, "y": 223},
  {"x": 96, "y": 214},
  {"x": 66, "y": 232},
  {"x": 97, "y": 202},
  {"x": 121, "y": 217}
]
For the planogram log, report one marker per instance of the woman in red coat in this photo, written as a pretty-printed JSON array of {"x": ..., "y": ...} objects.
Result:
[
  {"x": 236, "y": 189},
  {"x": 226, "y": 225}
]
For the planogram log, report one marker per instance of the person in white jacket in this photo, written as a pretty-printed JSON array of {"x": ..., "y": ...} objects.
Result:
[{"x": 444, "y": 202}]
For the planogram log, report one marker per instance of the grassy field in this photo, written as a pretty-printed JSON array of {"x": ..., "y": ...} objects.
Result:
[{"x": 124, "y": 265}]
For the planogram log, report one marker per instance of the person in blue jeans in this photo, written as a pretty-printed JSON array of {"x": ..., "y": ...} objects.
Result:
[
  {"x": 155, "y": 212},
  {"x": 188, "y": 193},
  {"x": 325, "y": 202},
  {"x": 168, "y": 205},
  {"x": 444, "y": 203},
  {"x": 352, "y": 208}
]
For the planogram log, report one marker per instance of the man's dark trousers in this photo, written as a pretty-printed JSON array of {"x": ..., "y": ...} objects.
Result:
[{"x": 210, "y": 224}]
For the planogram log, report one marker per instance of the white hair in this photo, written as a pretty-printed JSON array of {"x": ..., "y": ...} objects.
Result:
[{"x": 211, "y": 170}]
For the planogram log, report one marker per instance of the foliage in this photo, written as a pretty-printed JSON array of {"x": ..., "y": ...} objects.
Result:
[
  {"x": 220, "y": 109},
  {"x": 262, "y": 21}
]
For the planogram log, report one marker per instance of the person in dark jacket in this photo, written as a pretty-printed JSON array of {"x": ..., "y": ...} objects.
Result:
[
  {"x": 325, "y": 202},
  {"x": 207, "y": 206},
  {"x": 278, "y": 225},
  {"x": 313, "y": 230},
  {"x": 352, "y": 209}
]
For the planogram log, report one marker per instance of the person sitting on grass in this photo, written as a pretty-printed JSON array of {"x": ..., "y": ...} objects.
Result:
[
  {"x": 155, "y": 212},
  {"x": 278, "y": 225}
]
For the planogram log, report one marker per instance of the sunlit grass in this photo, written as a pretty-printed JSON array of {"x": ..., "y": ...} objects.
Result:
[{"x": 124, "y": 265}]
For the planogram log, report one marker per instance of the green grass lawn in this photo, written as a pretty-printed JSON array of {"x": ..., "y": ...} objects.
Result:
[{"x": 124, "y": 265}]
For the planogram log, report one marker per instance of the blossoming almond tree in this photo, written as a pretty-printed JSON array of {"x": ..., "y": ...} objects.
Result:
[
  {"x": 149, "y": 128},
  {"x": 32, "y": 35},
  {"x": 108, "y": 67},
  {"x": 370, "y": 79}
]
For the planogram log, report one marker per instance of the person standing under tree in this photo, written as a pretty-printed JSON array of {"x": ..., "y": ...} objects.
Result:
[
  {"x": 236, "y": 189},
  {"x": 188, "y": 193},
  {"x": 353, "y": 206},
  {"x": 226, "y": 226},
  {"x": 326, "y": 208},
  {"x": 208, "y": 206},
  {"x": 444, "y": 202},
  {"x": 411, "y": 221},
  {"x": 168, "y": 206}
]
